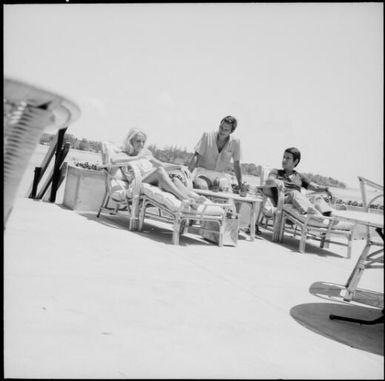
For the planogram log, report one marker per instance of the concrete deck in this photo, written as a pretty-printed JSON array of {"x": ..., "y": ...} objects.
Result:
[{"x": 86, "y": 298}]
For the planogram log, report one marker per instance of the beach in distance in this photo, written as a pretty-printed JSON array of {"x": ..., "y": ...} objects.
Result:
[{"x": 73, "y": 156}]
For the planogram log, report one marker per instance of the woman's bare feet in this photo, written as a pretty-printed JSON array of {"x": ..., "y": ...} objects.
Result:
[
  {"x": 194, "y": 204},
  {"x": 190, "y": 203}
]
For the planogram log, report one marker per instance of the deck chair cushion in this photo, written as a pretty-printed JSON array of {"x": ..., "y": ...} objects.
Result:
[
  {"x": 120, "y": 190},
  {"x": 171, "y": 202}
]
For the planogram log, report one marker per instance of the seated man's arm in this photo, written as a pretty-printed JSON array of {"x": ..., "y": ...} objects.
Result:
[
  {"x": 273, "y": 186},
  {"x": 272, "y": 179},
  {"x": 319, "y": 188},
  {"x": 238, "y": 173},
  {"x": 315, "y": 187},
  {"x": 193, "y": 162}
]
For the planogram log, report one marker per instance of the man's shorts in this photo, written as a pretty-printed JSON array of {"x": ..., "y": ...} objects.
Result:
[{"x": 210, "y": 176}]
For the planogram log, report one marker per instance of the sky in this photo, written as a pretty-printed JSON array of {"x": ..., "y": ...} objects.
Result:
[{"x": 308, "y": 75}]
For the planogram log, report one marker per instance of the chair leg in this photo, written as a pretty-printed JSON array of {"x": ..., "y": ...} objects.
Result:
[
  {"x": 277, "y": 227},
  {"x": 302, "y": 242},
  {"x": 221, "y": 233},
  {"x": 323, "y": 243},
  {"x": 281, "y": 231},
  {"x": 350, "y": 244},
  {"x": 356, "y": 274},
  {"x": 175, "y": 233},
  {"x": 104, "y": 204},
  {"x": 132, "y": 224},
  {"x": 326, "y": 242},
  {"x": 141, "y": 216},
  {"x": 185, "y": 224}
]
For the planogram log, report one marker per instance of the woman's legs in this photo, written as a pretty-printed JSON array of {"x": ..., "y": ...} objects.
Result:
[
  {"x": 188, "y": 192},
  {"x": 160, "y": 178}
]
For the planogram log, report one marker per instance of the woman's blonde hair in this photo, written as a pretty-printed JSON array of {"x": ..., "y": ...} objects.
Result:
[{"x": 127, "y": 145}]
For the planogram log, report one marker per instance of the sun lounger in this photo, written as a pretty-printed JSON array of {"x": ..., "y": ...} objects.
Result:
[
  {"x": 283, "y": 218},
  {"x": 118, "y": 195},
  {"x": 319, "y": 228},
  {"x": 140, "y": 199}
]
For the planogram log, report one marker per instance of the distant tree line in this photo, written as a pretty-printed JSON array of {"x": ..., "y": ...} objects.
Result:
[
  {"x": 323, "y": 180},
  {"x": 171, "y": 154},
  {"x": 175, "y": 155},
  {"x": 75, "y": 143}
]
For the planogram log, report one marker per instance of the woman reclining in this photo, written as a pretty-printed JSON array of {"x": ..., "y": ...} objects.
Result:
[{"x": 154, "y": 171}]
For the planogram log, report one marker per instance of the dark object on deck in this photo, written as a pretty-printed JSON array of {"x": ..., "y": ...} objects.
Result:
[
  {"x": 359, "y": 321},
  {"x": 57, "y": 174}
]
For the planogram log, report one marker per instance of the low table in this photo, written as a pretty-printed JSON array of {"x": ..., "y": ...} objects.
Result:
[{"x": 252, "y": 200}]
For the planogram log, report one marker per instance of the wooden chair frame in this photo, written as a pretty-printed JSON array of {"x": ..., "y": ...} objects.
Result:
[{"x": 138, "y": 203}]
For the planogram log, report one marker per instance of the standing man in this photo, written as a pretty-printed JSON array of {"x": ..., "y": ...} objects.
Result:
[{"x": 213, "y": 155}]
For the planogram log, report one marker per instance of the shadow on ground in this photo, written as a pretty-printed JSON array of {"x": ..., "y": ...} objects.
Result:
[
  {"x": 312, "y": 247},
  {"x": 315, "y": 317},
  {"x": 157, "y": 231},
  {"x": 335, "y": 292}
]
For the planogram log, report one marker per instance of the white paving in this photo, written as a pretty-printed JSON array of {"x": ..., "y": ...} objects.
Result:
[{"x": 86, "y": 298}]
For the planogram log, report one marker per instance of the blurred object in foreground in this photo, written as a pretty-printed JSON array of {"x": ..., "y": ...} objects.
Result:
[{"x": 28, "y": 112}]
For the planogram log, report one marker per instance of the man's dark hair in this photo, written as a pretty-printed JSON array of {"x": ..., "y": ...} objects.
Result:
[
  {"x": 230, "y": 120},
  {"x": 295, "y": 152}
]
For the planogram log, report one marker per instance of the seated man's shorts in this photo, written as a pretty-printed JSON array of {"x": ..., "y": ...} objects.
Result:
[
  {"x": 222, "y": 178},
  {"x": 178, "y": 176}
]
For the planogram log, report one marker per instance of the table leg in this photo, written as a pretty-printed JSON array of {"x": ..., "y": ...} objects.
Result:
[
  {"x": 252, "y": 220},
  {"x": 356, "y": 274}
]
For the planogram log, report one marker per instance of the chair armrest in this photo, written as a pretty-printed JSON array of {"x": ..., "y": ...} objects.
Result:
[
  {"x": 372, "y": 184},
  {"x": 368, "y": 183},
  {"x": 278, "y": 208},
  {"x": 280, "y": 193},
  {"x": 137, "y": 180}
]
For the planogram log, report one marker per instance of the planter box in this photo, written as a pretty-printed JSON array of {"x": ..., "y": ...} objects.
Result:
[{"x": 84, "y": 189}]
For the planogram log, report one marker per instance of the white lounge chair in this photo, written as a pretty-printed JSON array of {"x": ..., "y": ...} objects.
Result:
[
  {"x": 284, "y": 218},
  {"x": 145, "y": 201}
]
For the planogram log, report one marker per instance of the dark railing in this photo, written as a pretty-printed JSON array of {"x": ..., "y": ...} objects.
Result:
[{"x": 57, "y": 174}]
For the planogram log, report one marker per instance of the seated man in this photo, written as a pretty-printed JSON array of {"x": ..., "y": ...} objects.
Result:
[
  {"x": 213, "y": 155},
  {"x": 291, "y": 182}
]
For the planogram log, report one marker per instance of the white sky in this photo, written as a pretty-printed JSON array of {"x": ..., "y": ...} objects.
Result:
[{"x": 294, "y": 74}]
